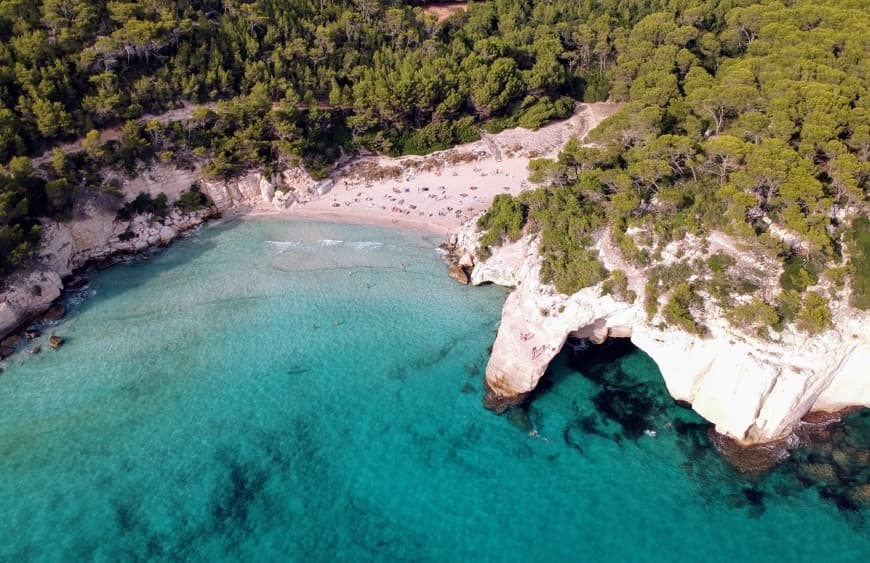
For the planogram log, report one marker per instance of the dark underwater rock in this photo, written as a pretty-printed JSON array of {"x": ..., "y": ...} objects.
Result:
[
  {"x": 818, "y": 472},
  {"x": 499, "y": 403},
  {"x": 54, "y": 313},
  {"x": 77, "y": 283},
  {"x": 754, "y": 460},
  {"x": 8, "y": 344}
]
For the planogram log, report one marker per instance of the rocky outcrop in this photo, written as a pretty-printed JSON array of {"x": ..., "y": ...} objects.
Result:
[
  {"x": 94, "y": 234},
  {"x": 255, "y": 190},
  {"x": 458, "y": 273},
  {"x": 753, "y": 390},
  {"x": 27, "y": 296}
]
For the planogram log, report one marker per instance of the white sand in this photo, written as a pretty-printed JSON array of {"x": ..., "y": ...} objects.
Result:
[{"x": 432, "y": 194}]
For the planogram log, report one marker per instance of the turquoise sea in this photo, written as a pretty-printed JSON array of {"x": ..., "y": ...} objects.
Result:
[{"x": 291, "y": 391}]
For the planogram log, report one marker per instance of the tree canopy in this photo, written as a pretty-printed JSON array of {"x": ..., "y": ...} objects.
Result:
[{"x": 749, "y": 118}]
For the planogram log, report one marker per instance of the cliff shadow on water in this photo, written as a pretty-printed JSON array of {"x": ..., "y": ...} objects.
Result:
[{"x": 615, "y": 392}]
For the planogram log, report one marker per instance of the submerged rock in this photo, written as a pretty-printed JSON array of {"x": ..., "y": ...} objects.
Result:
[
  {"x": 55, "y": 342},
  {"x": 752, "y": 460},
  {"x": 8, "y": 344},
  {"x": 861, "y": 495},
  {"x": 54, "y": 313},
  {"x": 499, "y": 402},
  {"x": 76, "y": 284},
  {"x": 818, "y": 472}
]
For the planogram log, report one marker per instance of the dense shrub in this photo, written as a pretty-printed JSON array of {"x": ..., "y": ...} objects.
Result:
[
  {"x": 504, "y": 219},
  {"x": 677, "y": 311},
  {"x": 797, "y": 275},
  {"x": 859, "y": 248},
  {"x": 192, "y": 200},
  {"x": 436, "y": 136},
  {"x": 814, "y": 315},
  {"x": 144, "y": 203},
  {"x": 617, "y": 286},
  {"x": 755, "y": 315}
]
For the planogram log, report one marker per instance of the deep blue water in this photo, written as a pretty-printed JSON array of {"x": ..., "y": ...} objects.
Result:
[{"x": 271, "y": 390}]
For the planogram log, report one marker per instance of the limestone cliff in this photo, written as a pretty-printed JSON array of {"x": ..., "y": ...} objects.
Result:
[
  {"x": 753, "y": 390},
  {"x": 94, "y": 233}
]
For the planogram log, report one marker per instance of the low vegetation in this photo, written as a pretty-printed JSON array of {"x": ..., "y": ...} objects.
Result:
[{"x": 859, "y": 247}]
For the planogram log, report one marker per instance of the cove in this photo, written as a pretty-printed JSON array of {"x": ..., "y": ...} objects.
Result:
[{"x": 278, "y": 390}]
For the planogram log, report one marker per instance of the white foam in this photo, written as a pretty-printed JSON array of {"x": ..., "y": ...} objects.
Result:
[
  {"x": 359, "y": 245},
  {"x": 284, "y": 246},
  {"x": 363, "y": 244}
]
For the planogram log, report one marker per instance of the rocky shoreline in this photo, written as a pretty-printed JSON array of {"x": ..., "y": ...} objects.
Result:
[
  {"x": 94, "y": 239},
  {"x": 755, "y": 392}
]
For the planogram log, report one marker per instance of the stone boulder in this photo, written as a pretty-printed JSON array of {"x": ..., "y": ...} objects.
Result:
[
  {"x": 283, "y": 200},
  {"x": 267, "y": 190},
  {"x": 54, "y": 313},
  {"x": 28, "y": 295},
  {"x": 167, "y": 233},
  {"x": 458, "y": 273},
  {"x": 8, "y": 344}
]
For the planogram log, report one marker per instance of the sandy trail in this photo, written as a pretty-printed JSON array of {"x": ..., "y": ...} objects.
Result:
[
  {"x": 443, "y": 10},
  {"x": 441, "y": 191}
]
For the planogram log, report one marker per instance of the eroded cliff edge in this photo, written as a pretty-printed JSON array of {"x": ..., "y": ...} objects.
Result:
[
  {"x": 95, "y": 233},
  {"x": 753, "y": 390}
]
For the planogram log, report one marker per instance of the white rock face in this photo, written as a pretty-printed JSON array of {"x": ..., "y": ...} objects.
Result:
[
  {"x": 164, "y": 178},
  {"x": 167, "y": 233},
  {"x": 267, "y": 190},
  {"x": 94, "y": 233},
  {"x": 29, "y": 294},
  {"x": 251, "y": 190},
  {"x": 752, "y": 390},
  {"x": 283, "y": 200}
]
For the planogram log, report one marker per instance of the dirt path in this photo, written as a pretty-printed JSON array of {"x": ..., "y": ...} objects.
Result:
[
  {"x": 443, "y": 10},
  {"x": 493, "y": 146}
]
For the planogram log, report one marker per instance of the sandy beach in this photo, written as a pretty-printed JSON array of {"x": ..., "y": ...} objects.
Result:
[{"x": 440, "y": 191}]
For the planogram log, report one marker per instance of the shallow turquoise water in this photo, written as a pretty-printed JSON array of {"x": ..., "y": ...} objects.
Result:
[{"x": 299, "y": 391}]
